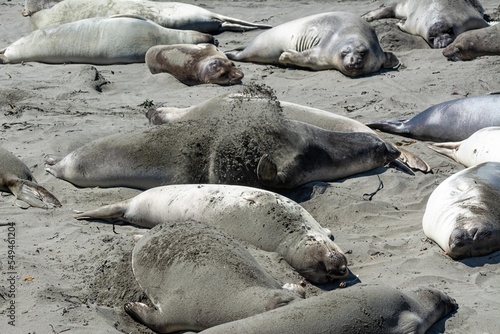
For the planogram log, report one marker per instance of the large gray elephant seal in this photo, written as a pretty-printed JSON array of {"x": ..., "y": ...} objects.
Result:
[
  {"x": 481, "y": 147},
  {"x": 259, "y": 148},
  {"x": 439, "y": 22},
  {"x": 174, "y": 15},
  {"x": 448, "y": 121},
  {"x": 462, "y": 214},
  {"x": 267, "y": 220},
  {"x": 193, "y": 64},
  {"x": 358, "y": 309},
  {"x": 335, "y": 40},
  {"x": 475, "y": 43},
  {"x": 111, "y": 40},
  {"x": 15, "y": 177},
  {"x": 198, "y": 277}
]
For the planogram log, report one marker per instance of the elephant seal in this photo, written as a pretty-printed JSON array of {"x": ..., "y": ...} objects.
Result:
[
  {"x": 334, "y": 40},
  {"x": 33, "y": 6},
  {"x": 102, "y": 40},
  {"x": 453, "y": 120},
  {"x": 193, "y": 64},
  {"x": 267, "y": 220},
  {"x": 358, "y": 309},
  {"x": 16, "y": 178},
  {"x": 475, "y": 43},
  {"x": 259, "y": 148},
  {"x": 439, "y": 22},
  {"x": 462, "y": 214},
  {"x": 198, "y": 277},
  {"x": 174, "y": 15},
  {"x": 481, "y": 147}
]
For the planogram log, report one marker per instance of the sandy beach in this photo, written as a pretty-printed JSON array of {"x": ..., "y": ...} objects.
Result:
[{"x": 74, "y": 276}]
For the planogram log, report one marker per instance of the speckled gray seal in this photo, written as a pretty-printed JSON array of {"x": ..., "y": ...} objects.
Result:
[
  {"x": 15, "y": 177},
  {"x": 475, "y": 43},
  {"x": 101, "y": 40},
  {"x": 448, "y": 121},
  {"x": 259, "y": 148},
  {"x": 462, "y": 214},
  {"x": 174, "y": 15},
  {"x": 358, "y": 309},
  {"x": 439, "y": 22},
  {"x": 193, "y": 64},
  {"x": 334, "y": 40},
  {"x": 267, "y": 220},
  {"x": 198, "y": 277}
]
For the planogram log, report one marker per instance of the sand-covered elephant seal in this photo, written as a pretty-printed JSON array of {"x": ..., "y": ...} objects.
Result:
[
  {"x": 481, "y": 147},
  {"x": 174, "y": 15},
  {"x": 193, "y": 64},
  {"x": 334, "y": 40},
  {"x": 258, "y": 148},
  {"x": 33, "y": 6},
  {"x": 198, "y": 277},
  {"x": 462, "y": 214},
  {"x": 475, "y": 43},
  {"x": 102, "y": 40},
  {"x": 358, "y": 309},
  {"x": 16, "y": 178},
  {"x": 453, "y": 120},
  {"x": 267, "y": 220},
  {"x": 439, "y": 22}
]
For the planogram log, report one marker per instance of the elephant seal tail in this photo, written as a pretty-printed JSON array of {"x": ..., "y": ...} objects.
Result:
[{"x": 33, "y": 194}]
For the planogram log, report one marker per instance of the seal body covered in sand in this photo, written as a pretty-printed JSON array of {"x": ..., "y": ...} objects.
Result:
[
  {"x": 198, "y": 277},
  {"x": 462, "y": 214},
  {"x": 334, "y": 40},
  {"x": 475, "y": 43}
]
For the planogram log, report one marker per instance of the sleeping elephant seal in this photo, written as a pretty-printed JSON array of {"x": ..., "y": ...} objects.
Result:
[
  {"x": 102, "y": 40},
  {"x": 358, "y": 309},
  {"x": 198, "y": 277},
  {"x": 462, "y": 214},
  {"x": 334, "y": 40},
  {"x": 174, "y": 15},
  {"x": 448, "y": 121},
  {"x": 16, "y": 178},
  {"x": 266, "y": 220},
  {"x": 439, "y": 22},
  {"x": 475, "y": 43},
  {"x": 193, "y": 64}
]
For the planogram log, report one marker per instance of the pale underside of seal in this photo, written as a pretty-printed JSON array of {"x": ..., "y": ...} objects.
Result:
[
  {"x": 197, "y": 277},
  {"x": 193, "y": 64},
  {"x": 475, "y": 43},
  {"x": 110, "y": 40},
  {"x": 334, "y": 40},
  {"x": 439, "y": 22},
  {"x": 174, "y": 15},
  {"x": 481, "y": 147},
  {"x": 358, "y": 309},
  {"x": 462, "y": 214},
  {"x": 16, "y": 178},
  {"x": 453, "y": 120}
]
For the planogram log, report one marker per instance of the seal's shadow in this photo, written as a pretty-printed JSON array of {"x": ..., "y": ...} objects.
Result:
[{"x": 480, "y": 261}]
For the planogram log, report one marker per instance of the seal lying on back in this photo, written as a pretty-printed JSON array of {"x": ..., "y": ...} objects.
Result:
[
  {"x": 475, "y": 43},
  {"x": 174, "y": 15},
  {"x": 193, "y": 64},
  {"x": 439, "y": 22},
  {"x": 117, "y": 39},
  {"x": 266, "y": 220},
  {"x": 462, "y": 215},
  {"x": 260, "y": 149},
  {"x": 198, "y": 277},
  {"x": 335, "y": 40},
  {"x": 15, "y": 177},
  {"x": 448, "y": 121},
  {"x": 358, "y": 309},
  {"x": 481, "y": 147}
]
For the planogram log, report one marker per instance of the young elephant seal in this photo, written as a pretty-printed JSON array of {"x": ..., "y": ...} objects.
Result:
[
  {"x": 193, "y": 64},
  {"x": 198, "y": 277},
  {"x": 266, "y": 220},
  {"x": 475, "y": 43}
]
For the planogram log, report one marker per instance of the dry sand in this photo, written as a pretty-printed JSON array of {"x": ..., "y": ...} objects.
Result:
[{"x": 75, "y": 276}]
